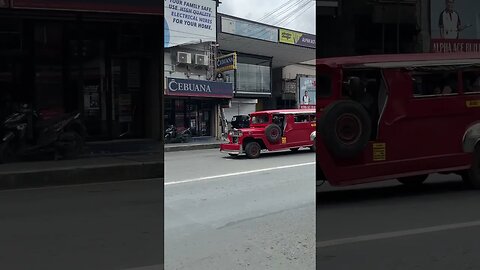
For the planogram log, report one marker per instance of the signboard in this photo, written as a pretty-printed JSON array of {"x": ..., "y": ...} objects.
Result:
[
  {"x": 297, "y": 38},
  {"x": 189, "y": 21},
  {"x": 307, "y": 89},
  {"x": 198, "y": 88},
  {"x": 249, "y": 29},
  {"x": 227, "y": 62},
  {"x": 120, "y": 6},
  {"x": 454, "y": 26}
]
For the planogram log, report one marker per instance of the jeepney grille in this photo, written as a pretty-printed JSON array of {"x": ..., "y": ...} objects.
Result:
[{"x": 234, "y": 139}]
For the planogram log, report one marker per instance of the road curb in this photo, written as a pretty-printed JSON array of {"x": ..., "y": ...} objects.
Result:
[
  {"x": 82, "y": 174},
  {"x": 174, "y": 148}
]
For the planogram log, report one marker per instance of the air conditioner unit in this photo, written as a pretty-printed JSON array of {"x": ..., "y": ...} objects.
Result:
[
  {"x": 201, "y": 59},
  {"x": 184, "y": 58}
]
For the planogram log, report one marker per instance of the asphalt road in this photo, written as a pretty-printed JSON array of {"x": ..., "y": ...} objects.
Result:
[
  {"x": 388, "y": 226},
  {"x": 108, "y": 226},
  {"x": 237, "y": 213}
]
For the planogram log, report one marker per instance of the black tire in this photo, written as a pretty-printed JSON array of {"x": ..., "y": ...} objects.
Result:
[
  {"x": 7, "y": 152},
  {"x": 472, "y": 176},
  {"x": 313, "y": 148},
  {"x": 295, "y": 149},
  {"x": 253, "y": 149},
  {"x": 353, "y": 120},
  {"x": 71, "y": 144},
  {"x": 413, "y": 181},
  {"x": 273, "y": 133}
]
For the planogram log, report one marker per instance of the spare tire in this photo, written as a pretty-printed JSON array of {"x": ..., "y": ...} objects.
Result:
[
  {"x": 345, "y": 127},
  {"x": 273, "y": 133}
]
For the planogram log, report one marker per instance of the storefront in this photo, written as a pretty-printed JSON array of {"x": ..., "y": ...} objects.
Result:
[
  {"x": 196, "y": 104},
  {"x": 104, "y": 65}
]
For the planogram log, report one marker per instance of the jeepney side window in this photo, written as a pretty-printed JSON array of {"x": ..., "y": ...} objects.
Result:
[
  {"x": 434, "y": 83},
  {"x": 313, "y": 118},
  {"x": 471, "y": 81},
  {"x": 301, "y": 118}
]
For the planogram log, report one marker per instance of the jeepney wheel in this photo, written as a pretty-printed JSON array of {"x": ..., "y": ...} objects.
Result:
[
  {"x": 413, "y": 181},
  {"x": 273, "y": 133},
  {"x": 253, "y": 150},
  {"x": 345, "y": 127},
  {"x": 472, "y": 176}
]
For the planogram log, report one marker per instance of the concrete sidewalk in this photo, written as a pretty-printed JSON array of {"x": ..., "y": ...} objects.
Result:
[
  {"x": 81, "y": 171},
  {"x": 195, "y": 144}
]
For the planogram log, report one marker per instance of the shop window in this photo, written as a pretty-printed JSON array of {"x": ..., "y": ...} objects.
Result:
[
  {"x": 253, "y": 78},
  {"x": 10, "y": 35}
]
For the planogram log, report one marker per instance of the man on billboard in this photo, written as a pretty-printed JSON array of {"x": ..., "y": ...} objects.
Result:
[
  {"x": 449, "y": 22},
  {"x": 306, "y": 98}
]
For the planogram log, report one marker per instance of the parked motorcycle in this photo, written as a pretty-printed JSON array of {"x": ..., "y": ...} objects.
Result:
[
  {"x": 175, "y": 135},
  {"x": 25, "y": 133}
]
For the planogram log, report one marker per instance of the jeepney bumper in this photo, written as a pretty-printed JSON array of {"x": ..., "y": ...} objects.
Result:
[{"x": 231, "y": 148}]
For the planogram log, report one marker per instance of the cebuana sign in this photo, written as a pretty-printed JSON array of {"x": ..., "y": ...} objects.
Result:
[
  {"x": 227, "y": 62},
  {"x": 198, "y": 88}
]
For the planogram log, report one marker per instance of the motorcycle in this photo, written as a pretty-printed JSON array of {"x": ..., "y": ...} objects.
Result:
[
  {"x": 175, "y": 135},
  {"x": 26, "y": 133}
]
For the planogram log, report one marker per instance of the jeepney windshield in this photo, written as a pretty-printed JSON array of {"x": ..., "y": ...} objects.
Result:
[{"x": 260, "y": 119}]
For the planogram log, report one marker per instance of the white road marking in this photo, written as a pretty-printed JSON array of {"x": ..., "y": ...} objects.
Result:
[
  {"x": 237, "y": 174},
  {"x": 388, "y": 235}
]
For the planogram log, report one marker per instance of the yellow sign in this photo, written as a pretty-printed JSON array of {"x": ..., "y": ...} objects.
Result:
[
  {"x": 226, "y": 62},
  {"x": 284, "y": 140},
  {"x": 473, "y": 103},
  {"x": 379, "y": 151},
  {"x": 289, "y": 37}
]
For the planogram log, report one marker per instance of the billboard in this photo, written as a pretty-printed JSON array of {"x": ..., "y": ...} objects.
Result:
[
  {"x": 189, "y": 21},
  {"x": 117, "y": 6},
  {"x": 307, "y": 92},
  {"x": 455, "y": 26},
  {"x": 297, "y": 38}
]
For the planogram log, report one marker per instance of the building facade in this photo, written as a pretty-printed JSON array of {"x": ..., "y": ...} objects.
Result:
[{"x": 94, "y": 57}]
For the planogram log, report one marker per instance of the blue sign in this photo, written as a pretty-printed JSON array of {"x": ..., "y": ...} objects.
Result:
[{"x": 198, "y": 88}]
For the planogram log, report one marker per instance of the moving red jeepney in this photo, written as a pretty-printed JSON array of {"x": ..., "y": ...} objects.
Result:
[
  {"x": 272, "y": 130},
  {"x": 398, "y": 117}
]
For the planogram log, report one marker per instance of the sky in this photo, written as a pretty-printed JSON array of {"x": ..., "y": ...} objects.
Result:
[{"x": 296, "y": 15}]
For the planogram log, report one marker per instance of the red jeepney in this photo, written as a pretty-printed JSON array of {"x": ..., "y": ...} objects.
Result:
[
  {"x": 398, "y": 117},
  {"x": 272, "y": 130}
]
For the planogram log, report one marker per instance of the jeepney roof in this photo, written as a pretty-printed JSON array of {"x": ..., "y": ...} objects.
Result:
[
  {"x": 285, "y": 111},
  {"x": 402, "y": 60}
]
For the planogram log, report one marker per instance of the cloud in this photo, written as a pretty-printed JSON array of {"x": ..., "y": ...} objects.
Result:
[{"x": 255, "y": 9}]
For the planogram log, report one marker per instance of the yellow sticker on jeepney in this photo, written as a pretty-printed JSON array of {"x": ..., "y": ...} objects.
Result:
[
  {"x": 473, "y": 103},
  {"x": 284, "y": 140},
  {"x": 379, "y": 151}
]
